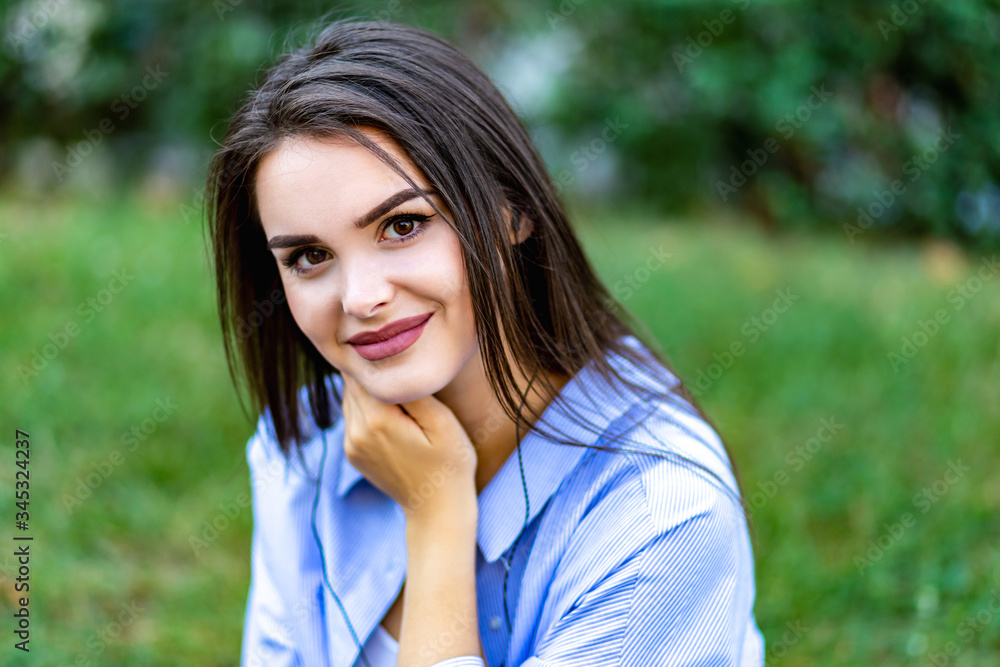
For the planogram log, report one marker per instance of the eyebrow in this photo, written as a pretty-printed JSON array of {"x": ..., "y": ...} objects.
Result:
[{"x": 294, "y": 240}]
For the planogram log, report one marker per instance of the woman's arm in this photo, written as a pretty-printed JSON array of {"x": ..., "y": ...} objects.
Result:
[
  {"x": 439, "y": 603},
  {"x": 399, "y": 451}
]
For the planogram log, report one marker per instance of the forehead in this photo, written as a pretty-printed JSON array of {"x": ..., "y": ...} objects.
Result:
[{"x": 306, "y": 177}]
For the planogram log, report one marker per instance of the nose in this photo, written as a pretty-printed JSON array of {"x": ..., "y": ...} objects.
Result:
[{"x": 366, "y": 287}]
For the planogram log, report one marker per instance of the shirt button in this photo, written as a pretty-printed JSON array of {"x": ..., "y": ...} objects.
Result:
[{"x": 494, "y": 623}]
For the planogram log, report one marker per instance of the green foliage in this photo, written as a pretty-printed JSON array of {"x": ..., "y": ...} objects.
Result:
[
  {"x": 714, "y": 97},
  {"x": 706, "y": 85}
]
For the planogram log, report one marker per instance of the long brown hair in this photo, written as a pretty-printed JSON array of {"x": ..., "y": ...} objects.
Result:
[{"x": 450, "y": 119}]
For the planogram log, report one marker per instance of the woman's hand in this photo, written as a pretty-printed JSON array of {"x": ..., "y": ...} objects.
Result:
[{"x": 416, "y": 452}]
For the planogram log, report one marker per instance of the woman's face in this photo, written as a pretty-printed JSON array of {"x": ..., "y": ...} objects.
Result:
[{"x": 358, "y": 250}]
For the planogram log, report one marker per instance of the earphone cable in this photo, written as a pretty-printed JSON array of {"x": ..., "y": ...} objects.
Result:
[
  {"x": 322, "y": 557},
  {"x": 527, "y": 507}
]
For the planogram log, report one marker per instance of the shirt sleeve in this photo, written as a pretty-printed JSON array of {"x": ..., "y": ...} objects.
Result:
[
  {"x": 674, "y": 601},
  {"x": 267, "y": 634}
]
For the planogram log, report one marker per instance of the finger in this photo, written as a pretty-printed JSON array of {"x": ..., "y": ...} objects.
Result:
[
  {"x": 350, "y": 405},
  {"x": 367, "y": 410},
  {"x": 426, "y": 411}
]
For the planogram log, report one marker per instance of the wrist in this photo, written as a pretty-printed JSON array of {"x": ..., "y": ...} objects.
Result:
[{"x": 443, "y": 512}]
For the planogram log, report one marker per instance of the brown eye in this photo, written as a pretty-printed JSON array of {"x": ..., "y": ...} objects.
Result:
[
  {"x": 402, "y": 227},
  {"x": 314, "y": 255}
]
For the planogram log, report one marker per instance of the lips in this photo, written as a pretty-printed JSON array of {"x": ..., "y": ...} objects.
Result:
[
  {"x": 385, "y": 343},
  {"x": 388, "y": 331}
]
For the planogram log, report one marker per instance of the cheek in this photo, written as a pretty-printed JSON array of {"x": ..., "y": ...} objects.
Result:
[
  {"x": 455, "y": 286},
  {"x": 456, "y": 289},
  {"x": 434, "y": 271},
  {"x": 305, "y": 314}
]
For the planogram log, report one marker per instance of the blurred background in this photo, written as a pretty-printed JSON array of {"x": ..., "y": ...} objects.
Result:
[{"x": 800, "y": 201}]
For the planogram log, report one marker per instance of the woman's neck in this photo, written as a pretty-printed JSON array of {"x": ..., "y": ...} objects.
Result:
[{"x": 494, "y": 435}]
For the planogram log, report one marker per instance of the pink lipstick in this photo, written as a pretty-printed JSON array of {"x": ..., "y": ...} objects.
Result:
[{"x": 390, "y": 339}]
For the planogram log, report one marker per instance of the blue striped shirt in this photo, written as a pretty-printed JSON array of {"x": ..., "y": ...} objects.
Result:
[{"x": 627, "y": 560}]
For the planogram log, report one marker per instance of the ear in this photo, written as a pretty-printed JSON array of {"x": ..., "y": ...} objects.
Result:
[{"x": 519, "y": 227}]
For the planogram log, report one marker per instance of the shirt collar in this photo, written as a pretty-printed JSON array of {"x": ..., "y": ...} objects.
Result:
[{"x": 546, "y": 462}]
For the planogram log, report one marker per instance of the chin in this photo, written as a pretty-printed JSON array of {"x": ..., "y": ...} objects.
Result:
[{"x": 394, "y": 386}]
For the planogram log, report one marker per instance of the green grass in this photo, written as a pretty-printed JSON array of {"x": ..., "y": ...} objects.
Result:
[{"x": 825, "y": 357}]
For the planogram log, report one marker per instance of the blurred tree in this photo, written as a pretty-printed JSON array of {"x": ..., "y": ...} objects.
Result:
[{"x": 858, "y": 115}]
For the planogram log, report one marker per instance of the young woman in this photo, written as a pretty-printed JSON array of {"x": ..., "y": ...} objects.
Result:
[{"x": 464, "y": 455}]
